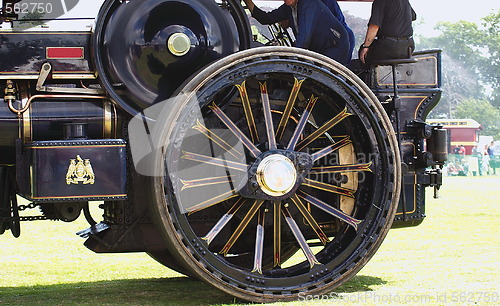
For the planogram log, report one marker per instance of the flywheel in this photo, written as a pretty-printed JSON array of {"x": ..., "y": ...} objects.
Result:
[{"x": 144, "y": 49}]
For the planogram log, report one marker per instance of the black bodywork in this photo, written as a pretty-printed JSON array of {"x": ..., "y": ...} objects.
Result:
[{"x": 419, "y": 87}]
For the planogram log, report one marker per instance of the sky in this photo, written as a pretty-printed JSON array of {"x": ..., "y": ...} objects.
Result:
[{"x": 429, "y": 12}]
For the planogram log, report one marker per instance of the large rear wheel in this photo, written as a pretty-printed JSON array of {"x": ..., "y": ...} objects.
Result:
[{"x": 279, "y": 176}]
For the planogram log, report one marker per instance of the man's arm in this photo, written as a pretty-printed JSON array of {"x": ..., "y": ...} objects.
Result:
[
  {"x": 371, "y": 33},
  {"x": 279, "y": 14},
  {"x": 250, "y": 5},
  {"x": 307, "y": 18}
]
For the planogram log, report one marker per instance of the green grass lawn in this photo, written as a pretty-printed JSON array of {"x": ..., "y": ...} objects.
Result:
[{"x": 453, "y": 257}]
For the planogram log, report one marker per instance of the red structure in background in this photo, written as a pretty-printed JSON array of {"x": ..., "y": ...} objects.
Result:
[{"x": 460, "y": 132}]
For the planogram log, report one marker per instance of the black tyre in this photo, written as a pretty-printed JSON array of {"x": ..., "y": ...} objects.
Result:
[{"x": 279, "y": 176}]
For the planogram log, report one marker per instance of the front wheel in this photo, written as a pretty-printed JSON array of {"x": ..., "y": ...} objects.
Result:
[{"x": 279, "y": 175}]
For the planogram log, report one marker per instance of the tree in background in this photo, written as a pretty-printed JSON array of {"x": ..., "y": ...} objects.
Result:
[
  {"x": 483, "y": 112},
  {"x": 471, "y": 63},
  {"x": 459, "y": 83},
  {"x": 33, "y": 21}
]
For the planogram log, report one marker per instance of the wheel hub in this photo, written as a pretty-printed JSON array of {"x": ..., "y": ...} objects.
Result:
[{"x": 276, "y": 175}]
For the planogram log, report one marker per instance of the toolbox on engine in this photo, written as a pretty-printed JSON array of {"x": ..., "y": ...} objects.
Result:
[{"x": 74, "y": 170}]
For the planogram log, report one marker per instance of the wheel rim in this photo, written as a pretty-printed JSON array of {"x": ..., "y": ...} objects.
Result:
[{"x": 217, "y": 201}]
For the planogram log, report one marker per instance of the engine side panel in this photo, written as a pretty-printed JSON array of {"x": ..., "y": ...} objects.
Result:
[
  {"x": 23, "y": 54},
  {"x": 419, "y": 91}
]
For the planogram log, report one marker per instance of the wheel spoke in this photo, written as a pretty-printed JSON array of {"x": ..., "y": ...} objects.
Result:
[
  {"x": 248, "y": 111},
  {"x": 236, "y": 131},
  {"x": 330, "y": 188},
  {"x": 241, "y": 227},
  {"x": 219, "y": 141},
  {"x": 302, "y": 123},
  {"x": 323, "y": 129},
  {"x": 212, "y": 201},
  {"x": 331, "y": 210},
  {"x": 259, "y": 243},
  {"x": 342, "y": 168},
  {"x": 310, "y": 219},
  {"x": 331, "y": 148},
  {"x": 223, "y": 221},
  {"x": 277, "y": 234},
  {"x": 288, "y": 108},
  {"x": 300, "y": 237},
  {"x": 205, "y": 182},
  {"x": 266, "y": 106},
  {"x": 215, "y": 161}
]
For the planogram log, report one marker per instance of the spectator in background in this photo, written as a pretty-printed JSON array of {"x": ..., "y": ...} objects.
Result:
[
  {"x": 461, "y": 151},
  {"x": 456, "y": 152},
  {"x": 491, "y": 155},
  {"x": 452, "y": 169},
  {"x": 463, "y": 168},
  {"x": 313, "y": 24},
  {"x": 475, "y": 161},
  {"x": 490, "y": 148},
  {"x": 475, "y": 151},
  {"x": 390, "y": 32},
  {"x": 486, "y": 161}
]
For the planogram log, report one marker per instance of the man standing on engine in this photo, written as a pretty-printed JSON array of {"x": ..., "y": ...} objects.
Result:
[{"x": 313, "y": 24}]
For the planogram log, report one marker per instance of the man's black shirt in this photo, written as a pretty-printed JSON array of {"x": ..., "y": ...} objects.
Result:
[{"x": 394, "y": 17}]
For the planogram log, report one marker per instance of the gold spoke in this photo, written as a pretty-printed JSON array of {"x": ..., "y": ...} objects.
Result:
[
  {"x": 288, "y": 108},
  {"x": 216, "y": 139},
  {"x": 241, "y": 227},
  {"x": 331, "y": 148},
  {"x": 310, "y": 219},
  {"x": 248, "y": 111},
  {"x": 330, "y": 188},
  {"x": 300, "y": 237},
  {"x": 329, "y": 209},
  {"x": 266, "y": 107},
  {"x": 205, "y": 182},
  {"x": 215, "y": 161},
  {"x": 323, "y": 129},
  {"x": 223, "y": 220},
  {"x": 302, "y": 123},
  {"x": 236, "y": 131},
  {"x": 212, "y": 201},
  {"x": 277, "y": 234},
  {"x": 342, "y": 168},
  {"x": 259, "y": 243}
]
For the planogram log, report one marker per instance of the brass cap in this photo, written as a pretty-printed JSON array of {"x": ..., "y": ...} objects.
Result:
[{"x": 179, "y": 44}]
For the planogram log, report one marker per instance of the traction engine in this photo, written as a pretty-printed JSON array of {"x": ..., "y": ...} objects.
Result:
[{"x": 265, "y": 171}]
